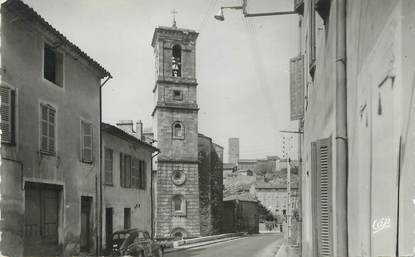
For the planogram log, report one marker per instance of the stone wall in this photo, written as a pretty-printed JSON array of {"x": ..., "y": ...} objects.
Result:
[
  {"x": 166, "y": 221},
  {"x": 210, "y": 186}
]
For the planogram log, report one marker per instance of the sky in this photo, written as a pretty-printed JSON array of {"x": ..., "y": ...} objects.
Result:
[{"x": 242, "y": 63}]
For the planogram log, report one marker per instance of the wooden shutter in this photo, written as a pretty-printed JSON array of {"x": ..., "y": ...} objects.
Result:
[
  {"x": 122, "y": 170},
  {"x": 108, "y": 166},
  {"x": 86, "y": 141},
  {"x": 324, "y": 197},
  {"x": 51, "y": 129},
  {"x": 6, "y": 114},
  {"x": 127, "y": 174},
  {"x": 47, "y": 129},
  {"x": 143, "y": 175}
]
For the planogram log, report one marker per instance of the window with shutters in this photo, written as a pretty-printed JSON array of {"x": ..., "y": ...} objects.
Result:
[
  {"x": 47, "y": 129},
  {"x": 108, "y": 163},
  {"x": 53, "y": 65},
  {"x": 86, "y": 142},
  {"x": 131, "y": 172},
  {"x": 322, "y": 197},
  {"x": 7, "y": 110},
  {"x": 179, "y": 205}
]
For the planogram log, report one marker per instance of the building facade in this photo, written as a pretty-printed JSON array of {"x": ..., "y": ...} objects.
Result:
[
  {"x": 50, "y": 142},
  {"x": 241, "y": 214},
  {"x": 127, "y": 182},
  {"x": 176, "y": 131},
  {"x": 357, "y": 176}
]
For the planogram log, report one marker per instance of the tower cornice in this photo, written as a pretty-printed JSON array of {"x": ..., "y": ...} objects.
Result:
[
  {"x": 185, "y": 108},
  {"x": 174, "y": 33},
  {"x": 175, "y": 81}
]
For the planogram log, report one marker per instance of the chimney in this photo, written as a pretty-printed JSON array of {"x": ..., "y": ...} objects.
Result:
[
  {"x": 126, "y": 126},
  {"x": 139, "y": 130}
]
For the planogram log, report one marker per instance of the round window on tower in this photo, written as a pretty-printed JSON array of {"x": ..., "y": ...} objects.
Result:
[{"x": 178, "y": 177}]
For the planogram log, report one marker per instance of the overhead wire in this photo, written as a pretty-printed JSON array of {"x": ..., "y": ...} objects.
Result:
[{"x": 208, "y": 13}]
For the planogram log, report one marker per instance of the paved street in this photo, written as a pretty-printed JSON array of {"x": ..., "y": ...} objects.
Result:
[{"x": 263, "y": 245}]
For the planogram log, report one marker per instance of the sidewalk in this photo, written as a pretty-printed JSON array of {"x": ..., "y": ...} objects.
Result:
[{"x": 288, "y": 251}]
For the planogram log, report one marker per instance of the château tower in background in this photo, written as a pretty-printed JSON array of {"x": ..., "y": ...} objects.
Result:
[
  {"x": 233, "y": 154},
  {"x": 175, "y": 128}
]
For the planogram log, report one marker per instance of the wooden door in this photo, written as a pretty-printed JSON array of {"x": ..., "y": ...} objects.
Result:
[{"x": 41, "y": 220}]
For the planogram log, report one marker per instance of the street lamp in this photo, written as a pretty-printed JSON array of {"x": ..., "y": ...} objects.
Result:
[{"x": 219, "y": 16}]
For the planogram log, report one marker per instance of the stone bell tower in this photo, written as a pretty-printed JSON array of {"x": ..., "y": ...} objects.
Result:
[{"x": 176, "y": 131}]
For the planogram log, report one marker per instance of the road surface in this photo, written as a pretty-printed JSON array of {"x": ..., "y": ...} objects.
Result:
[{"x": 262, "y": 245}]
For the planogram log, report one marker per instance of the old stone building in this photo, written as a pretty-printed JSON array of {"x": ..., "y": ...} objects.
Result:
[
  {"x": 176, "y": 132},
  {"x": 189, "y": 167},
  {"x": 127, "y": 180},
  {"x": 50, "y": 142},
  {"x": 210, "y": 186}
]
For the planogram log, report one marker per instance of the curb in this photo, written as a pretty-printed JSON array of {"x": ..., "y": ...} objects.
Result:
[
  {"x": 205, "y": 243},
  {"x": 206, "y": 238}
]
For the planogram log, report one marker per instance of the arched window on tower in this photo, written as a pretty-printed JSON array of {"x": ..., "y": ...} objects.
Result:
[
  {"x": 179, "y": 205},
  {"x": 178, "y": 130},
  {"x": 176, "y": 61}
]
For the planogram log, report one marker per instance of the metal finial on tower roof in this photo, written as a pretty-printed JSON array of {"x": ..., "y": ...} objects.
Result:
[{"x": 174, "y": 18}]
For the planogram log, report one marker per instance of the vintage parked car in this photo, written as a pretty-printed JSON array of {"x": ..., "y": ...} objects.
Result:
[{"x": 135, "y": 242}]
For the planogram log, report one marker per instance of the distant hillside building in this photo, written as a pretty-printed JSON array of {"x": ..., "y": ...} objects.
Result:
[
  {"x": 274, "y": 197},
  {"x": 233, "y": 151}
]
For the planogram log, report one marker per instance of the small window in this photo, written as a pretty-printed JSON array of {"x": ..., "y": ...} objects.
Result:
[
  {"x": 179, "y": 205},
  {"x": 47, "y": 129},
  {"x": 178, "y": 130},
  {"x": 86, "y": 132},
  {"x": 7, "y": 111},
  {"x": 108, "y": 162},
  {"x": 177, "y": 95},
  {"x": 176, "y": 61},
  {"x": 53, "y": 65},
  {"x": 127, "y": 218}
]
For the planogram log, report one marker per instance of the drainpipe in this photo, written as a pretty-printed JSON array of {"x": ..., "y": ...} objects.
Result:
[
  {"x": 152, "y": 196},
  {"x": 341, "y": 133},
  {"x": 99, "y": 230}
]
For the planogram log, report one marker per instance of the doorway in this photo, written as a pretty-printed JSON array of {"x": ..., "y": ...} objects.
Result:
[
  {"x": 108, "y": 228},
  {"x": 41, "y": 219},
  {"x": 86, "y": 224}
]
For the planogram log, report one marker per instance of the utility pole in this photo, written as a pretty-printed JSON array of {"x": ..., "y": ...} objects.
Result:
[{"x": 286, "y": 154}]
